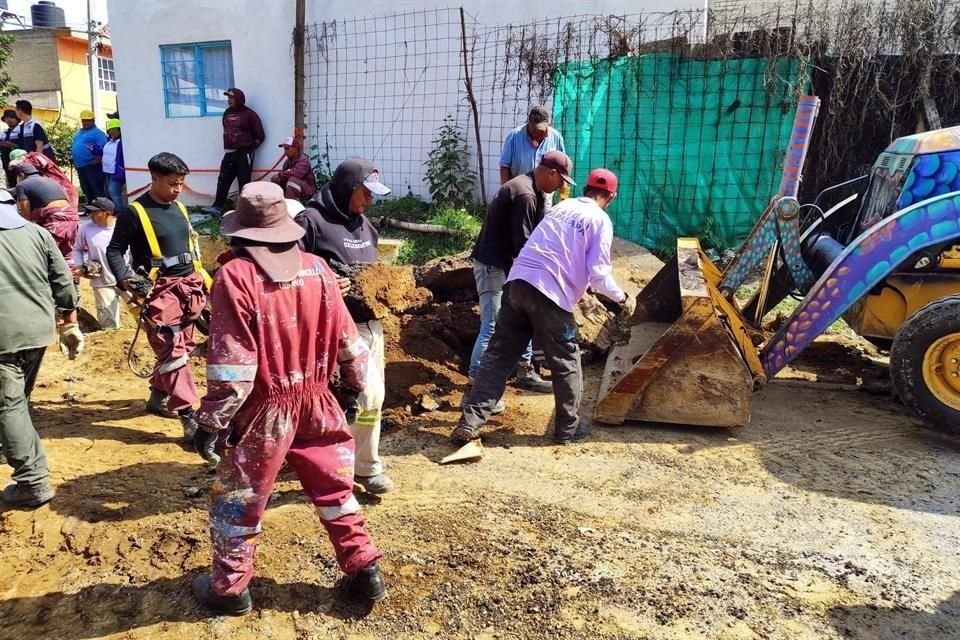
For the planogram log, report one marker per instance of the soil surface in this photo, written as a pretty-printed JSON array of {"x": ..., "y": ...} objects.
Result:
[{"x": 832, "y": 515}]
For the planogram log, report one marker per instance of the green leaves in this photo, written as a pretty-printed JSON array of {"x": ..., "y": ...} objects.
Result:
[{"x": 450, "y": 179}]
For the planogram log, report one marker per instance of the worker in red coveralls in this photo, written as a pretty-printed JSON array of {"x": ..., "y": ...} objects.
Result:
[
  {"x": 296, "y": 176},
  {"x": 156, "y": 230},
  {"x": 278, "y": 332}
]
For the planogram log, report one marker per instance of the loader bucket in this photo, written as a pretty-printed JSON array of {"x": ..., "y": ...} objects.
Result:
[{"x": 689, "y": 359}]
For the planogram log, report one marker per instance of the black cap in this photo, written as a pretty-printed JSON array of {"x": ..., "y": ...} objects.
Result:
[{"x": 99, "y": 204}]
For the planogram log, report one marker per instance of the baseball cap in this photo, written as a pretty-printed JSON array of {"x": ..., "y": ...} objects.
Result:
[
  {"x": 99, "y": 204},
  {"x": 603, "y": 179},
  {"x": 376, "y": 187},
  {"x": 289, "y": 141},
  {"x": 86, "y": 114},
  {"x": 27, "y": 169},
  {"x": 294, "y": 207},
  {"x": 539, "y": 117},
  {"x": 10, "y": 218},
  {"x": 230, "y": 92},
  {"x": 561, "y": 162}
]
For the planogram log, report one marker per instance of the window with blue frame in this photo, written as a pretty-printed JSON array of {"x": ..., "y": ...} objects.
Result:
[{"x": 195, "y": 77}]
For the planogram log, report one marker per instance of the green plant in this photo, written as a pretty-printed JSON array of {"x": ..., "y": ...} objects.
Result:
[
  {"x": 61, "y": 135},
  {"x": 322, "y": 169},
  {"x": 409, "y": 207},
  {"x": 7, "y": 86},
  {"x": 449, "y": 177},
  {"x": 418, "y": 248}
]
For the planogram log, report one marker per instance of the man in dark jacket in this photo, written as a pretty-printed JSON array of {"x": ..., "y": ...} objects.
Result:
[
  {"x": 336, "y": 230},
  {"x": 242, "y": 134},
  {"x": 511, "y": 217}
]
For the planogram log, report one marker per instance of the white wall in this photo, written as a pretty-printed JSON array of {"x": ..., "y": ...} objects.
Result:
[{"x": 260, "y": 34}]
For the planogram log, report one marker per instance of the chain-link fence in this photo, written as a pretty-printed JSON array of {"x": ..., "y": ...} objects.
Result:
[{"x": 691, "y": 109}]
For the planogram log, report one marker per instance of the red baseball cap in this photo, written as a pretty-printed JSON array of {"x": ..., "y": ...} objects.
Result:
[{"x": 603, "y": 179}]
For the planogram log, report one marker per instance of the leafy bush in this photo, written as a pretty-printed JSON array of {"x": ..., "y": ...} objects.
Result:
[
  {"x": 61, "y": 135},
  {"x": 408, "y": 207},
  {"x": 449, "y": 176},
  {"x": 418, "y": 248},
  {"x": 322, "y": 170}
]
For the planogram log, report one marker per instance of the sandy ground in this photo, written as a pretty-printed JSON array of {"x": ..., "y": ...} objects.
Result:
[{"x": 833, "y": 515}]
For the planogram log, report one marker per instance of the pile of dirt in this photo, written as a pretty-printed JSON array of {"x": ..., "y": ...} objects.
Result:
[{"x": 380, "y": 290}]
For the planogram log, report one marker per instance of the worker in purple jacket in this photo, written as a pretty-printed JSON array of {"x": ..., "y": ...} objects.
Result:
[{"x": 242, "y": 134}]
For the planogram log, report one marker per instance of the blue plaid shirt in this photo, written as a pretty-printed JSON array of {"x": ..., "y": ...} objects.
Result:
[{"x": 521, "y": 156}]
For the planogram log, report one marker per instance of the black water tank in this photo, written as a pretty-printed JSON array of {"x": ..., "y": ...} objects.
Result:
[{"x": 47, "y": 14}]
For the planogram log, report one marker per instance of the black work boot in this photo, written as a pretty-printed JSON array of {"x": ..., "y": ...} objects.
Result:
[
  {"x": 226, "y": 605},
  {"x": 157, "y": 404},
  {"x": 366, "y": 586},
  {"x": 529, "y": 379},
  {"x": 579, "y": 435},
  {"x": 17, "y": 495},
  {"x": 189, "y": 424}
]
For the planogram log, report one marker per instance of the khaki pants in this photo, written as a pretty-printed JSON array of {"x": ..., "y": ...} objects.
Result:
[
  {"x": 107, "y": 302},
  {"x": 366, "y": 429}
]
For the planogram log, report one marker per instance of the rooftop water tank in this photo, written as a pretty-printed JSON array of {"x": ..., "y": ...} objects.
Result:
[{"x": 47, "y": 14}]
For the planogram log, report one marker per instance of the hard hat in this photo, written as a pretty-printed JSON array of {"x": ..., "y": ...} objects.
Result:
[
  {"x": 113, "y": 123},
  {"x": 86, "y": 114}
]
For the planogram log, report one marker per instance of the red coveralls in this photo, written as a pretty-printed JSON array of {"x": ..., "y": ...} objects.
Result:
[
  {"x": 63, "y": 224},
  {"x": 273, "y": 348},
  {"x": 172, "y": 310}
]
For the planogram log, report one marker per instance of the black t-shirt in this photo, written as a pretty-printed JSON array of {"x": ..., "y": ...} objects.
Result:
[
  {"x": 173, "y": 236},
  {"x": 511, "y": 217},
  {"x": 40, "y": 191}
]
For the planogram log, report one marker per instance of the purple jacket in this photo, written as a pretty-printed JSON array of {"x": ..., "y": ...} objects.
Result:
[{"x": 242, "y": 129}]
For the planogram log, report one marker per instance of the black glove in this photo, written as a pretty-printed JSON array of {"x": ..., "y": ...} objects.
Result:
[
  {"x": 347, "y": 400},
  {"x": 205, "y": 443}
]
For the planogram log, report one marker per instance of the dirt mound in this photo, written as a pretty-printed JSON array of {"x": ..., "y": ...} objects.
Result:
[{"x": 380, "y": 290}]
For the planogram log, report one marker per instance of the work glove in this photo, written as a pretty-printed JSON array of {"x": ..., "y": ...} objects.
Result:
[
  {"x": 71, "y": 340},
  {"x": 628, "y": 306},
  {"x": 138, "y": 286},
  {"x": 91, "y": 269},
  {"x": 205, "y": 442},
  {"x": 348, "y": 401}
]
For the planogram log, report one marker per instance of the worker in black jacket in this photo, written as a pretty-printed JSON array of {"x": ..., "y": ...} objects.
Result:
[{"x": 337, "y": 231}]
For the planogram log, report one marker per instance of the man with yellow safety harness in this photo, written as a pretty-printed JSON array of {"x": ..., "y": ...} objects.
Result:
[{"x": 156, "y": 230}]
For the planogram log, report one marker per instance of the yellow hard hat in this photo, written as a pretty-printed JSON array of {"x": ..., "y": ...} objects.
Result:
[{"x": 86, "y": 114}]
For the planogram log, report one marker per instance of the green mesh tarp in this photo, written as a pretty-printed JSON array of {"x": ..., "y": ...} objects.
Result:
[{"x": 697, "y": 145}]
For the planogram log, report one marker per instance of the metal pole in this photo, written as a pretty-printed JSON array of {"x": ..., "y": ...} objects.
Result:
[
  {"x": 473, "y": 106},
  {"x": 92, "y": 64},
  {"x": 298, "y": 68}
]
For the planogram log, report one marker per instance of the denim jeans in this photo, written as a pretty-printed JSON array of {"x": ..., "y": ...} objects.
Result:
[
  {"x": 490, "y": 282},
  {"x": 114, "y": 190}
]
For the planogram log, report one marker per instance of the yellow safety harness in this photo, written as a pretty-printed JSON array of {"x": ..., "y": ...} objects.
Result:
[{"x": 157, "y": 259}]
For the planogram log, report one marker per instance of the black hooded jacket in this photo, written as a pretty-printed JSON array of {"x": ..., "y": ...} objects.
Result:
[{"x": 332, "y": 232}]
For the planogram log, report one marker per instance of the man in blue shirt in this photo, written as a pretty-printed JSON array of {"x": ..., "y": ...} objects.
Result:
[
  {"x": 87, "y": 150},
  {"x": 524, "y": 147}
]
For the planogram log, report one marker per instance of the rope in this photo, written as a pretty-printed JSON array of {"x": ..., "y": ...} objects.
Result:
[
  {"x": 136, "y": 335},
  {"x": 262, "y": 174}
]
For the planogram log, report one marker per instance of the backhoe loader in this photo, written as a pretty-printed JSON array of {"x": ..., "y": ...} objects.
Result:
[{"x": 885, "y": 257}]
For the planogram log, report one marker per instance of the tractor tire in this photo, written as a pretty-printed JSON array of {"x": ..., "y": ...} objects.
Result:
[{"x": 925, "y": 364}]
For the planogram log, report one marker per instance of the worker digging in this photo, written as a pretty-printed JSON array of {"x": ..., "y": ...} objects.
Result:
[{"x": 473, "y": 365}]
